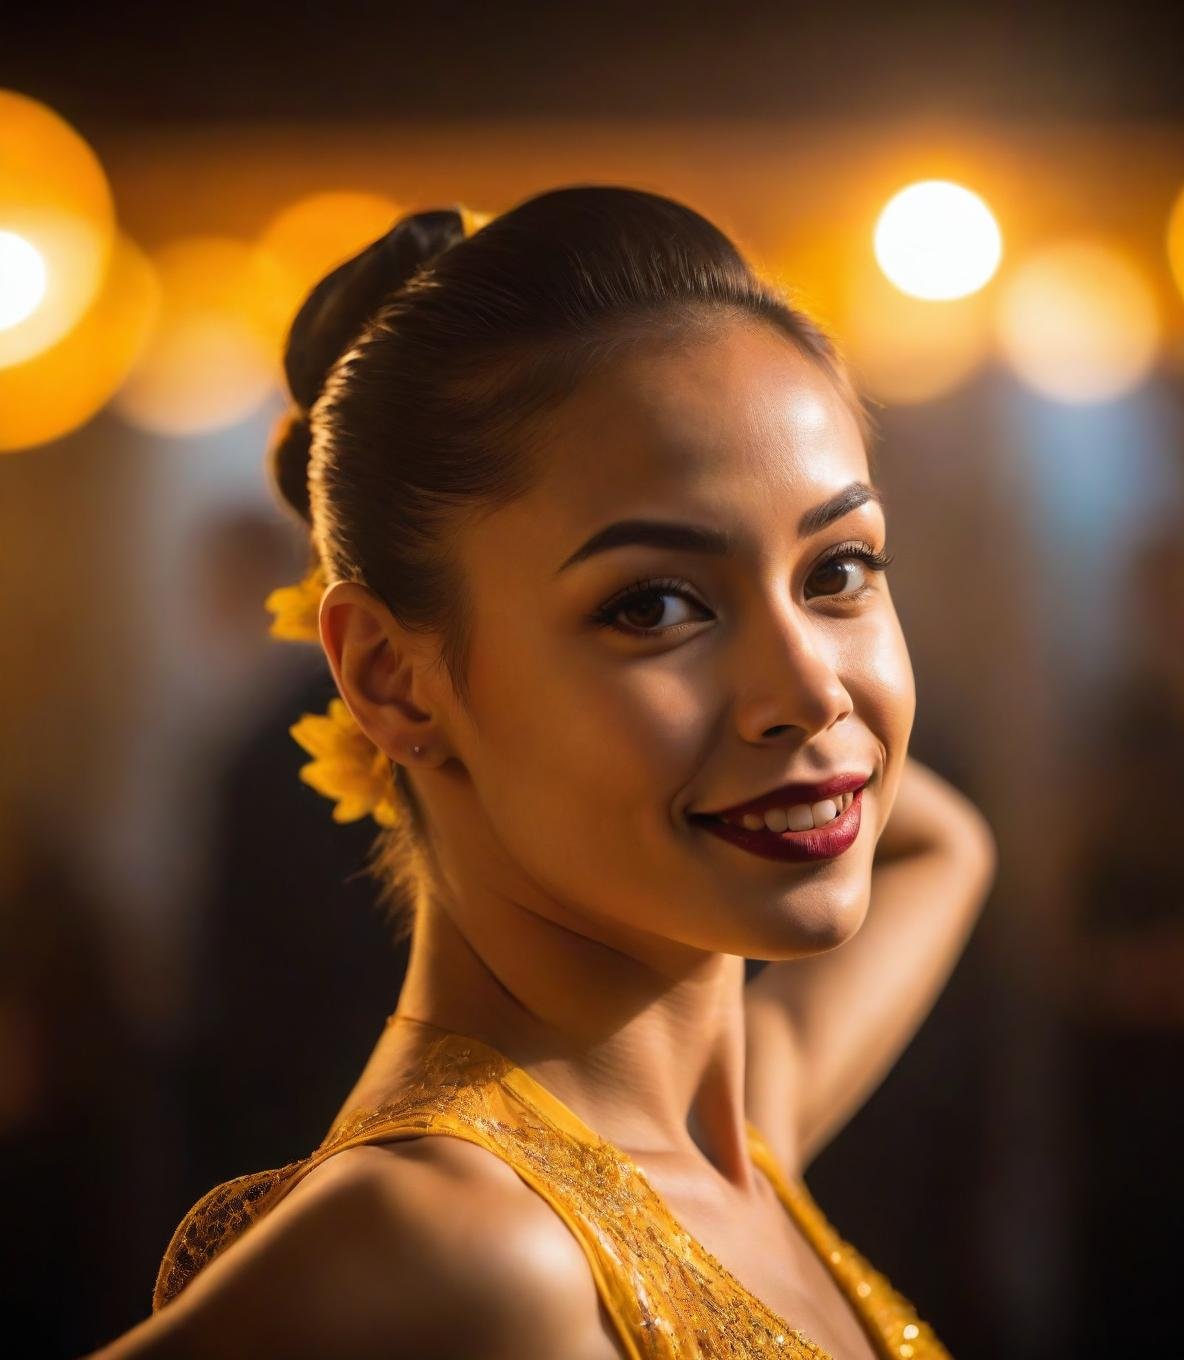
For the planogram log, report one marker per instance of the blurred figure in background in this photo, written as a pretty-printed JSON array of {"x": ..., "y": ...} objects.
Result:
[
  {"x": 1126, "y": 986},
  {"x": 72, "y": 1091},
  {"x": 292, "y": 971}
]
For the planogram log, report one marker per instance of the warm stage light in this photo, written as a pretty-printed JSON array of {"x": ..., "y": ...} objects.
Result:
[
  {"x": 906, "y": 350},
  {"x": 1079, "y": 323},
  {"x": 58, "y": 390},
  {"x": 1176, "y": 240},
  {"x": 307, "y": 239},
  {"x": 22, "y": 279},
  {"x": 936, "y": 240},
  {"x": 54, "y": 198},
  {"x": 208, "y": 364}
]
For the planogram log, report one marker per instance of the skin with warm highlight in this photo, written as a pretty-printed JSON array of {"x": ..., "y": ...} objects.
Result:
[{"x": 585, "y": 926}]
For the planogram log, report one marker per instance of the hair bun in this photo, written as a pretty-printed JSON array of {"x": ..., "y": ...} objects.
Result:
[
  {"x": 338, "y": 307},
  {"x": 287, "y": 461}
]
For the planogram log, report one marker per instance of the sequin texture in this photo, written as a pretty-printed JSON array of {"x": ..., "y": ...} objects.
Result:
[{"x": 668, "y": 1297}]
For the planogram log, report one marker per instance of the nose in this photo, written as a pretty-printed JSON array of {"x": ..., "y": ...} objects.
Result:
[{"x": 788, "y": 681}]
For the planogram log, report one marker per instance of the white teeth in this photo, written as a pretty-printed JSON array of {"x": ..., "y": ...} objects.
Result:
[{"x": 799, "y": 817}]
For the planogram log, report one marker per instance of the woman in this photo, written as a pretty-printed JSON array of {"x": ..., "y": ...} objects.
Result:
[{"x": 605, "y": 582}]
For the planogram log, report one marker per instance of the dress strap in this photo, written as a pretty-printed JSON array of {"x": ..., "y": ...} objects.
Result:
[{"x": 889, "y": 1320}]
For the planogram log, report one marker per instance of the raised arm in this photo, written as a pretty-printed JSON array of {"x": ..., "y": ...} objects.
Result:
[{"x": 824, "y": 1032}]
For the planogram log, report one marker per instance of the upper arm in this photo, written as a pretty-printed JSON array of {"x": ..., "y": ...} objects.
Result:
[
  {"x": 823, "y": 1032},
  {"x": 374, "y": 1255}
]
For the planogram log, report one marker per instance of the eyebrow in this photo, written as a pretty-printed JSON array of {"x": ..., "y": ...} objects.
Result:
[{"x": 704, "y": 538}]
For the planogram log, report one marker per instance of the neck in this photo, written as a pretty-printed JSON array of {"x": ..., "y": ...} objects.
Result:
[{"x": 645, "y": 1043}]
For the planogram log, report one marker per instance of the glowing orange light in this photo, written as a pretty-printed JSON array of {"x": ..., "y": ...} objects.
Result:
[
  {"x": 1078, "y": 323},
  {"x": 55, "y": 198},
  {"x": 307, "y": 239},
  {"x": 59, "y": 389},
  {"x": 209, "y": 364},
  {"x": 1176, "y": 240},
  {"x": 906, "y": 350}
]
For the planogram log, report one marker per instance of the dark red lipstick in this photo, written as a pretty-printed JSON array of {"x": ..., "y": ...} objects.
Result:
[
  {"x": 786, "y": 795},
  {"x": 824, "y": 842}
]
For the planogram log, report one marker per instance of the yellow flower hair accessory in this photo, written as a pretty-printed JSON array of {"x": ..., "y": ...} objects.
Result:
[
  {"x": 347, "y": 766},
  {"x": 296, "y": 608}
]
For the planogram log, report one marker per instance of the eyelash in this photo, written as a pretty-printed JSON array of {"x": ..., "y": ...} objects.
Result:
[{"x": 655, "y": 588}]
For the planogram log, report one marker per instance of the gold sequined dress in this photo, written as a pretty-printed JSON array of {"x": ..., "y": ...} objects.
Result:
[{"x": 665, "y": 1293}]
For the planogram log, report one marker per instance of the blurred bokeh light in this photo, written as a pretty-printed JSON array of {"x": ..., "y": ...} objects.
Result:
[
  {"x": 54, "y": 393},
  {"x": 22, "y": 279},
  {"x": 307, "y": 238},
  {"x": 210, "y": 362},
  {"x": 54, "y": 197},
  {"x": 905, "y": 349},
  {"x": 1078, "y": 322},
  {"x": 937, "y": 240},
  {"x": 1176, "y": 240}
]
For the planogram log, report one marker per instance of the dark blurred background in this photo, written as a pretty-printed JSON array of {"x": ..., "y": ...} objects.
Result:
[{"x": 192, "y": 965}]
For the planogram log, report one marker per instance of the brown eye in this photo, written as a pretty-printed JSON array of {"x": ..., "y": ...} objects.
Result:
[
  {"x": 646, "y": 611},
  {"x": 642, "y": 610},
  {"x": 836, "y": 574}
]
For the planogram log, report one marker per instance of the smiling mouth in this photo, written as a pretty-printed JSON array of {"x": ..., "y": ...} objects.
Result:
[
  {"x": 795, "y": 844},
  {"x": 793, "y": 817}
]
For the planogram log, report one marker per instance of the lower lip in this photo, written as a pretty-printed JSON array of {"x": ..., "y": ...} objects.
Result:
[{"x": 823, "y": 842}]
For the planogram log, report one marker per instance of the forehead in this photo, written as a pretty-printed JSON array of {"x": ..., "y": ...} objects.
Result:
[{"x": 735, "y": 424}]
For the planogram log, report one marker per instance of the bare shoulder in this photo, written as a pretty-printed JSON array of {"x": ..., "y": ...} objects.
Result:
[
  {"x": 424, "y": 1246},
  {"x": 487, "y": 1244}
]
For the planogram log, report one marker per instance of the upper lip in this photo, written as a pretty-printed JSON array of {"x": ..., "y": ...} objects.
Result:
[{"x": 788, "y": 794}]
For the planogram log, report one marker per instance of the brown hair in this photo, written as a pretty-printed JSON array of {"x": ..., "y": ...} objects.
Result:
[{"x": 419, "y": 367}]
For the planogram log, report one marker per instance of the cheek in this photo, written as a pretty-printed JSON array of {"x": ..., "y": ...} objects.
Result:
[
  {"x": 883, "y": 689},
  {"x": 618, "y": 739},
  {"x": 619, "y": 745},
  {"x": 878, "y": 673},
  {"x": 578, "y": 778}
]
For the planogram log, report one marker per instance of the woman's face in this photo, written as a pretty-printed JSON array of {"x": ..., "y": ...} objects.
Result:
[{"x": 599, "y": 722}]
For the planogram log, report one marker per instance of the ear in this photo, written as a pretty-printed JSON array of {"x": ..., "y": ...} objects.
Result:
[{"x": 376, "y": 665}]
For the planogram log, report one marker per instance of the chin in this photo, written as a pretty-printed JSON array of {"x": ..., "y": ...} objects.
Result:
[{"x": 815, "y": 928}]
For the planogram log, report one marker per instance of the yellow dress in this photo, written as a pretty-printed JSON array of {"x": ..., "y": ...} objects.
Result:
[{"x": 665, "y": 1293}]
